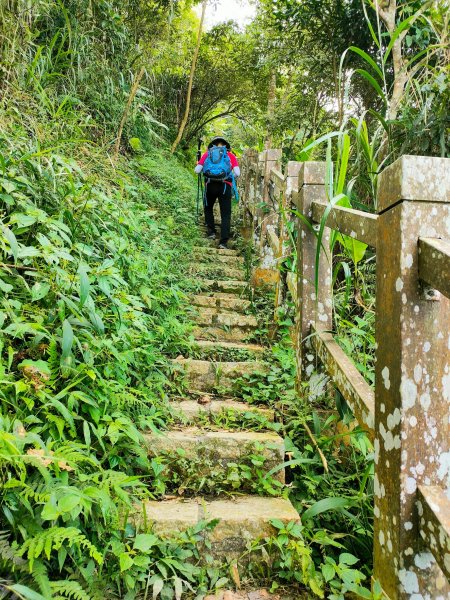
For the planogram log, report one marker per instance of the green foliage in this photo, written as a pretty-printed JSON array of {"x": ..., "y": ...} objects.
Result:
[
  {"x": 290, "y": 557},
  {"x": 167, "y": 567},
  {"x": 91, "y": 308},
  {"x": 209, "y": 475}
]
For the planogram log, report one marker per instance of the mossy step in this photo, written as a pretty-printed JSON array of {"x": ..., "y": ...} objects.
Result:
[
  {"x": 192, "y": 410},
  {"x": 241, "y": 521},
  {"x": 221, "y": 304},
  {"x": 223, "y": 285},
  {"x": 204, "y": 375},
  {"x": 215, "y": 270},
  {"x": 214, "y": 450},
  {"x": 223, "y": 334},
  {"x": 213, "y": 244},
  {"x": 215, "y": 251},
  {"x": 221, "y": 347},
  {"x": 207, "y": 257},
  {"x": 217, "y": 318}
]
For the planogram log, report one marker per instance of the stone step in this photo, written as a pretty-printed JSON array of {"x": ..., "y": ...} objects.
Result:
[
  {"x": 206, "y": 376},
  {"x": 206, "y": 257},
  {"x": 222, "y": 334},
  {"x": 209, "y": 406},
  {"x": 227, "y": 286},
  {"x": 241, "y": 521},
  {"x": 214, "y": 270},
  {"x": 227, "y": 320},
  {"x": 221, "y": 346},
  {"x": 218, "y": 302},
  {"x": 214, "y": 450},
  {"x": 205, "y": 242},
  {"x": 215, "y": 251}
]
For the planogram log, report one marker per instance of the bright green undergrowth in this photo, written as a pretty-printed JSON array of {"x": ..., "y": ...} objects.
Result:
[{"x": 92, "y": 306}]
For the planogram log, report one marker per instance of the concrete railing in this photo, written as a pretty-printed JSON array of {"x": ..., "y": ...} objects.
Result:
[{"x": 407, "y": 415}]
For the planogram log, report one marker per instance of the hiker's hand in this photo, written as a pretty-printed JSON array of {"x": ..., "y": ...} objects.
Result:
[
  {"x": 198, "y": 169},
  {"x": 237, "y": 171}
]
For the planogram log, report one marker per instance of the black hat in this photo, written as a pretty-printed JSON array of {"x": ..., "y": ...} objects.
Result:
[{"x": 219, "y": 138}]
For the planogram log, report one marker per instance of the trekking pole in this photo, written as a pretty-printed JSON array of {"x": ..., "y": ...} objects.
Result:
[{"x": 199, "y": 192}]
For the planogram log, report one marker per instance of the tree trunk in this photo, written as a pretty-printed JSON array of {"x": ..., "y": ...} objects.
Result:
[
  {"x": 191, "y": 79},
  {"x": 133, "y": 92},
  {"x": 388, "y": 14},
  {"x": 271, "y": 109}
]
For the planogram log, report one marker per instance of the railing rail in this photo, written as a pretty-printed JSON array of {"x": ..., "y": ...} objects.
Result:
[
  {"x": 355, "y": 223},
  {"x": 407, "y": 415}
]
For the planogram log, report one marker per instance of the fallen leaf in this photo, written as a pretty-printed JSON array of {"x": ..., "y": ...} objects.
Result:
[{"x": 235, "y": 575}]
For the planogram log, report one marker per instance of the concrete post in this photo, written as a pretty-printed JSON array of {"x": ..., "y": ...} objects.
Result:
[
  {"x": 292, "y": 173},
  {"x": 311, "y": 309},
  {"x": 412, "y": 392},
  {"x": 269, "y": 159}
]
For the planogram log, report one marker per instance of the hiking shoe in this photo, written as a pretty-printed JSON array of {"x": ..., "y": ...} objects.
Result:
[
  {"x": 211, "y": 236},
  {"x": 223, "y": 246}
]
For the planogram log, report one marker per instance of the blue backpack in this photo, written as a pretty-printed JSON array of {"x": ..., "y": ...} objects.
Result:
[{"x": 217, "y": 165}]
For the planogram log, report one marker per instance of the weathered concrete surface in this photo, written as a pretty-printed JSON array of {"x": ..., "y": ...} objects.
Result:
[
  {"x": 227, "y": 286},
  {"x": 209, "y": 406},
  {"x": 312, "y": 173},
  {"x": 210, "y": 333},
  {"x": 222, "y": 346},
  {"x": 211, "y": 316},
  {"x": 218, "y": 448},
  {"x": 220, "y": 318},
  {"x": 433, "y": 507},
  {"x": 412, "y": 392},
  {"x": 311, "y": 310},
  {"x": 354, "y": 223},
  {"x": 242, "y": 520},
  {"x": 203, "y": 375},
  {"x": 221, "y": 270},
  {"x": 218, "y": 302},
  {"x": 208, "y": 258},
  {"x": 434, "y": 263},
  {"x": 419, "y": 178}
]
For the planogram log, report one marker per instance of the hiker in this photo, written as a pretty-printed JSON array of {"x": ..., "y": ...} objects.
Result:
[{"x": 219, "y": 169}]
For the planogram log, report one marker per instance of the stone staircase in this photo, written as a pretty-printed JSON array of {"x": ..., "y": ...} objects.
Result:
[{"x": 221, "y": 355}]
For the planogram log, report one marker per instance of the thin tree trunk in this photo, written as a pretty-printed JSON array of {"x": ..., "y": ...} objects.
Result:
[
  {"x": 271, "y": 109},
  {"x": 191, "y": 80},
  {"x": 388, "y": 14},
  {"x": 133, "y": 92}
]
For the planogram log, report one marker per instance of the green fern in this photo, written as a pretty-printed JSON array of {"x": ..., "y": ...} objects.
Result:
[
  {"x": 53, "y": 361},
  {"x": 8, "y": 554},
  {"x": 40, "y": 578},
  {"x": 69, "y": 589},
  {"x": 48, "y": 540}
]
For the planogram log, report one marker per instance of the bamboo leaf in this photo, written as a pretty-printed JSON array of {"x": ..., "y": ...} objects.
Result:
[
  {"x": 67, "y": 339},
  {"x": 343, "y": 163},
  {"x": 368, "y": 60},
  {"x": 84, "y": 285},
  {"x": 326, "y": 504},
  {"x": 373, "y": 82}
]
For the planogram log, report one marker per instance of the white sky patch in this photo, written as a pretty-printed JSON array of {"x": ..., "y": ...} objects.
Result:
[{"x": 219, "y": 11}]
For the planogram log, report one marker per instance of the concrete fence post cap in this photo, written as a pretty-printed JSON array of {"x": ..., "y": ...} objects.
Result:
[{"x": 419, "y": 178}]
